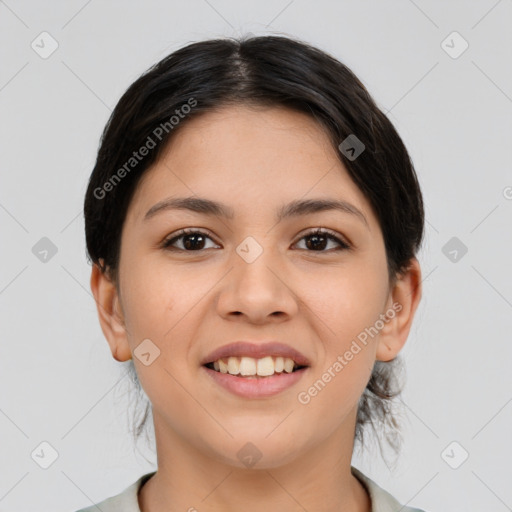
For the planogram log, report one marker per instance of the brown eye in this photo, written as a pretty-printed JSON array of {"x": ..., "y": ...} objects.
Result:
[
  {"x": 319, "y": 239},
  {"x": 192, "y": 240}
]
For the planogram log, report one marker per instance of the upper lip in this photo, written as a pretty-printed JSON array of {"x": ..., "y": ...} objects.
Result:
[{"x": 257, "y": 351}]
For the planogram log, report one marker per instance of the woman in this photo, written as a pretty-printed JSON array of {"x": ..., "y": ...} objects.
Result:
[{"x": 253, "y": 221}]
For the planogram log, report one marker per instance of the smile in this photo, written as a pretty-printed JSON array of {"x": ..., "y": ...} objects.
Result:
[
  {"x": 255, "y": 370},
  {"x": 254, "y": 386},
  {"x": 250, "y": 367}
]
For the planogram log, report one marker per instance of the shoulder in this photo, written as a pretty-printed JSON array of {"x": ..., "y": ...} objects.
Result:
[
  {"x": 126, "y": 501},
  {"x": 381, "y": 500}
]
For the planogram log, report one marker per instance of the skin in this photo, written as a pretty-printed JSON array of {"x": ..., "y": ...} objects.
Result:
[{"x": 189, "y": 303}]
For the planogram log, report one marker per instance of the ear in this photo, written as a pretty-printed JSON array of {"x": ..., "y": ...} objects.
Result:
[
  {"x": 403, "y": 301},
  {"x": 110, "y": 314}
]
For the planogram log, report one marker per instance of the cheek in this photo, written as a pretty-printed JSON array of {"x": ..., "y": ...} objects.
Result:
[
  {"x": 159, "y": 308},
  {"x": 344, "y": 311},
  {"x": 155, "y": 299},
  {"x": 348, "y": 301},
  {"x": 162, "y": 306},
  {"x": 348, "y": 306}
]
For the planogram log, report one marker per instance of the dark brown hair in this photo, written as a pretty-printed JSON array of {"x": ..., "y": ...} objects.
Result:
[{"x": 263, "y": 71}]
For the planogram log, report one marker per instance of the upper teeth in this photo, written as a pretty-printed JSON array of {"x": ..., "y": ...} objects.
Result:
[{"x": 249, "y": 366}]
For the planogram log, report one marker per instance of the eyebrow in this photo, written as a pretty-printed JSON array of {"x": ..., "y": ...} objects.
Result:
[{"x": 293, "y": 209}]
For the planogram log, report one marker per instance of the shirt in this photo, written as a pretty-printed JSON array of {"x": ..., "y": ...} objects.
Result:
[{"x": 127, "y": 501}]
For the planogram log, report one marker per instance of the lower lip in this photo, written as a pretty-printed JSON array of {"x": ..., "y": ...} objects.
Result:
[{"x": 256, "y": 387}]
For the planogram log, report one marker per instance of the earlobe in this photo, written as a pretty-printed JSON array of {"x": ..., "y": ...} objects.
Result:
[
  {"x": 110, "y": 314},
  {"x": 403, "y": 301}
]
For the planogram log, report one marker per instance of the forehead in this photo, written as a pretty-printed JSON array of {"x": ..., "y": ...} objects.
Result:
[
  {"x": 251, "y": 158},
  {"x": 253, "y": 133}
]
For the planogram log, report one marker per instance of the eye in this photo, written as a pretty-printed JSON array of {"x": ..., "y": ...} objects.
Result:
[
  {"x": 319, "y": 238},
  {"x": 193, "y": 240}
]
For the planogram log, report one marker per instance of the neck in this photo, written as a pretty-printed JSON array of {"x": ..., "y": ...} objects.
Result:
[{"x": 190, "y": 480}]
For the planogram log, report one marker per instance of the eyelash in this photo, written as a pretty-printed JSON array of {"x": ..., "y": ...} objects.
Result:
[{"x": 167, "y": 244}]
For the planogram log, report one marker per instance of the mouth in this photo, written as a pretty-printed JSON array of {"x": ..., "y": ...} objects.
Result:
[
  {"x": 255, "y": 371},
  {"x": 252, "y": 368}
]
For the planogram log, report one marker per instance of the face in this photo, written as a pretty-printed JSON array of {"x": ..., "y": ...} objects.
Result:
[{"x": 257, "y": 277}]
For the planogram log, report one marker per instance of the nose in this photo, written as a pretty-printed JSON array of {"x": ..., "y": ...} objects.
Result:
[{"x": 258, "y": 291}]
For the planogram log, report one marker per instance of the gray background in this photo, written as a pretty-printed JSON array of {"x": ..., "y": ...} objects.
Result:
[{"x": 58, "y": 380}]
